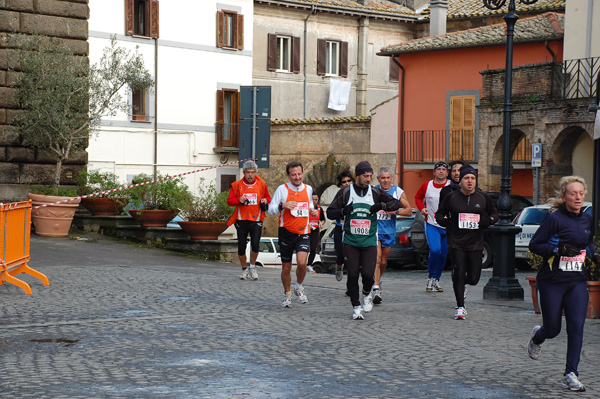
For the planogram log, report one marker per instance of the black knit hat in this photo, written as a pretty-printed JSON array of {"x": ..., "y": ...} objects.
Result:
[
  {"x": 363, "y": 167},
  {"x": 467, "y": 170}
]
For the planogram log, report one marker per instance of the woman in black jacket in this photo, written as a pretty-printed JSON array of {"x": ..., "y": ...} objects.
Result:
[{"x": 564, "y": 239}]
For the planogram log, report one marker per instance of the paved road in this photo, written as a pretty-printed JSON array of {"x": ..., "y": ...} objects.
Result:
[{"x": 122, "y": 321}]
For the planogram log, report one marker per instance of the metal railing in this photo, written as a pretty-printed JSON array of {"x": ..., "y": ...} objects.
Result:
[
  {"x": 430, "y": 146},
  {"x": 576, "y": 78}
]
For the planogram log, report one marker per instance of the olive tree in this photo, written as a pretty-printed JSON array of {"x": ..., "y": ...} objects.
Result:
[{"x": 63, "y": 99}]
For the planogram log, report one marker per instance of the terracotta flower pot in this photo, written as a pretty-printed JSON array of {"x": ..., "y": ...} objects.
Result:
[
  {"x": 203, "y": 230},
  {"x": 104, "y": 206},
  {"x": 52, "y": 220},
  {"x": 157, "y": 218},
  {"x": 135, "y": 213}
]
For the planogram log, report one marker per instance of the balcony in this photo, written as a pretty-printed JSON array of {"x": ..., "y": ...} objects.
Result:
[
  {"x": 431, "y": 146},
  {"x": 227, "y": 140},
  {"x": 573, "y": 79}
]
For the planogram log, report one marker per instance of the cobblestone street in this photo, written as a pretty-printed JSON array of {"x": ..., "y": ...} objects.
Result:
[{"x": 124, "y": 321}]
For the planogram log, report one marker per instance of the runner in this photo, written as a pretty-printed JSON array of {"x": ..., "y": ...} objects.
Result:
[
  {"x": 466, "y": 213},
  {"x": 294, "y": 201},
  {"x": 344, "y": 180},
  {"x": 564, "y": 239},
  {"x": 250, "y": 197},
  {"x": 315, "y": 223},
  {"x": 386, "y": 227},
  {"x": 427, "y": 199},
  {"x": 454, "y": 179},
  {"x": 358, "y": 205}
]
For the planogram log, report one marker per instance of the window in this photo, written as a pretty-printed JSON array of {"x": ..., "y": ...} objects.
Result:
[
  {"x": 283, "y": 53},
  {"x": 141, "y": 18},
  {"x": 332, "y": 58},
  {"x": 228, "y": 118},
  {"x": 138, "y": 105},
  {"x": 226, "y": 181},
  {"x": 230, "y": 30},
  {"x": 462, "y": 127}
]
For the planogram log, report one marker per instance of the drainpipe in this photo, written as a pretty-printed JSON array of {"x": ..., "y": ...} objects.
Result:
[
  {"x": 400, "y": 155},
  {"x": 362, "y": 73},
  {"x": 155, "y": 107},
  {"x": 547, "y": 44},
  {"x": 313, "y": 10}
]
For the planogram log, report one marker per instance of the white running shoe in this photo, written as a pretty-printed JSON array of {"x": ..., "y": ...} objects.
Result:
[
  {"x": 287, "y": 301},
  {"x": 253, "y": 273},
  {"x": 299, "y": 291},
  {"x": 461, "y": 312},
  {"x": 357, "y": 313},
  {"x": 572, "y": 382},
  {"x": 339, "y": 273},
  {"x": 466, "y": 291},
  {"x": 245, "y": 274},
  {"x": 429, "y": 287},
  {"x": 533, "y": 350},
  {"x": 436, "y": 285},
  {"x": 367, "y": 302},
  {"x": 310, "y": 269},
  {"x": 377, "y": 299}
]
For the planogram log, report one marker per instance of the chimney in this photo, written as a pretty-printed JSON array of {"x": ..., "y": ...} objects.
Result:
[{"x": 437, "y": 17}]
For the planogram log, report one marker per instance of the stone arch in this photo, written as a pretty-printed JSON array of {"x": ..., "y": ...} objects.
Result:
[
  {"x": 324, "y": 174},
  {"x": 516, "y": 135},
  {"x": 560, "y": 160}
]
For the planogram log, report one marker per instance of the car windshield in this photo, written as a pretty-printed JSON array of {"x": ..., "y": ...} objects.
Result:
[
  {"x": 532, "y": 216},
  {"x": 403, "y": 225}
]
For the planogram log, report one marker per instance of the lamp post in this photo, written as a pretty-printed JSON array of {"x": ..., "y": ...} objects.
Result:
[{"x": 503, "y": 284}]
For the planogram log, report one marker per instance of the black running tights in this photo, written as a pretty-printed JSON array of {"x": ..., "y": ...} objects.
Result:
[
  {"x": 359, "y": 261},
  {"x": 466, "y": 269}
]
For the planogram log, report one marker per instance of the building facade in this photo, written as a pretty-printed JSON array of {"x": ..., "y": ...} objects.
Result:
[{"x": 199, "y": 54}]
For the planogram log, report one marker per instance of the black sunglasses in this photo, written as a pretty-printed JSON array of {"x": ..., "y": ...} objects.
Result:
[{"x": 346, "y": 181}]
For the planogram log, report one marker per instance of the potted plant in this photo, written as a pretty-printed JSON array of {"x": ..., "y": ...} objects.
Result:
[
  {"x": 207, "y": 214},
  {"x": 96, "y": 181},
  {"x": 593, "y": 282},
  {"x": 156, "y": 204},
  {"x": 63, "y": 99}
]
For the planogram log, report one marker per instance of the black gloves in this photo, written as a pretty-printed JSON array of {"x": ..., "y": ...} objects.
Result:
[
  {"x": 377, "y": 207},
  {"x": 596, "y": 259},
  {"x": 348, "y": 209},
  {"x": 567, "y": 249},
  {"x": 264, "y": 206}
]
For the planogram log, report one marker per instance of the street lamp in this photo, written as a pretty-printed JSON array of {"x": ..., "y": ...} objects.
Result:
[{"x": 503, "y": 284}]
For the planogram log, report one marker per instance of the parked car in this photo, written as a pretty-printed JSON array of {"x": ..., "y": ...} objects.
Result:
[
  {"x": 530, "y": 219},
  {"x": 269, "y": 256},
  {"x": 518, "y": 202},
  {"x": 403, "y": 252}
]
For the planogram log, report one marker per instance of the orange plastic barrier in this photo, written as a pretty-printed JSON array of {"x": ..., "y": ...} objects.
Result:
[{"x": 15, "y": 230}]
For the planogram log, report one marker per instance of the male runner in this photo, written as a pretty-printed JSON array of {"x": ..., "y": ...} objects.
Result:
[
  {"x": 250, "y": 197},
  {"x": 294, "y": 201},
  {"x": 358, "y": 204},
  {"x": 386, "y": 227},
  {"x": 315, "y": 223},
  {"x": 466, "y": 213},
  {"x": 454, "y": 179},
  {"x": 427, "y": 199}
]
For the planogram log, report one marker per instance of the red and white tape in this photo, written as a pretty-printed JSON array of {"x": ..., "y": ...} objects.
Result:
[{"x": 141, "y": 184}]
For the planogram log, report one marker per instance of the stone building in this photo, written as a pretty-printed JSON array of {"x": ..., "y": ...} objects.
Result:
[{"x": 66, "y": 20}]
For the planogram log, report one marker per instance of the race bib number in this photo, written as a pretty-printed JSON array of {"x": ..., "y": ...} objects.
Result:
[
  {"x": 313, "y": 223},
  {"x": 468, "y": 221},
  {"x": 572, "y": 263},
  {"x": 301, "y": 210},
  {"x": 383, "y": 215},
  {"x": 251, "y": 198},
  {"x": 360, "y": 227}
]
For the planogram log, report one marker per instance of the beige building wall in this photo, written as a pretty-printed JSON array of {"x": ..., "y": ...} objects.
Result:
[
  {"x": 582, "y": 29},
  {"x": 287, "y": 94},
  {"x": 384, "y": 127}
]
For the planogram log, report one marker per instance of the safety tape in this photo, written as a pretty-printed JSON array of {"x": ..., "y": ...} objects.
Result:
[{"x": 142, "y": 184}]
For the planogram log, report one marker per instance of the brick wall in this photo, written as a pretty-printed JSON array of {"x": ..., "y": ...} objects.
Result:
[{"x": 64, "y": 19}]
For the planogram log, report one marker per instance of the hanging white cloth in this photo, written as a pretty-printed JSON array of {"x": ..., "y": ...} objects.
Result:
[{"x": 339, "y": 94}]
